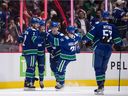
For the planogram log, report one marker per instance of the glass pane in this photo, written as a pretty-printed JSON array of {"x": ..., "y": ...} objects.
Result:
[
  {"x": 58, "y": 10},
  {"x": 9, "y": 25}
]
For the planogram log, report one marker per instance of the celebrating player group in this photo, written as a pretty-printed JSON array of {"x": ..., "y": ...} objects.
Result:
[{"x": 63, "y": 47}]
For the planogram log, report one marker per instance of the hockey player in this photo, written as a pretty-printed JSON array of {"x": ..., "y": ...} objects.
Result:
[
  {"x": 54, "y": 50},
  {"x": 68, "y": 50},
  {"x": 41, "y": 52},
  {"x": 103, "y": 35},
  {"x": 29, "y": 40}
]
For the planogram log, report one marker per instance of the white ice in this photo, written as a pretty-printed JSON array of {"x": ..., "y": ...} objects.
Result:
[{"x": 67, "y": 91}]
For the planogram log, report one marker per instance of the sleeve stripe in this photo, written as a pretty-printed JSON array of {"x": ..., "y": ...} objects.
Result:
[
  {"x": 57, "y": 42},
  {"x": 90, "y": 36},
  {"x": 117, "y": 40}
]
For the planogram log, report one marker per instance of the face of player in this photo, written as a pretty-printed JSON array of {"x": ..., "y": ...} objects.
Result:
[
  {"x": 35, "y": 26},
  {"x": 42, "y": 28},
  {"x": 55, "y": 30},
  {"x": 70, "y": 35}
]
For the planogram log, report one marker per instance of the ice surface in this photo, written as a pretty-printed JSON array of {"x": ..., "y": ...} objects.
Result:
[{"x": 67, "y": 91}]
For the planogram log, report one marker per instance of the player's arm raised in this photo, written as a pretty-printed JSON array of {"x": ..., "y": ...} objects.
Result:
[{"x": 89, "y": 36}]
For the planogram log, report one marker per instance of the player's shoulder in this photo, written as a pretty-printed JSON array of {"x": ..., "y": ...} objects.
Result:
[
  {"x": 97, "y": 25},
  {"x": 112, "y": 25},
  {"x": 27, "y": 31},
  {"x": 61, "y": 34},
  {"x": 66, "y": 37},
  {"x": 30, "y": 30},
  {"x": 77, "y": 35}
]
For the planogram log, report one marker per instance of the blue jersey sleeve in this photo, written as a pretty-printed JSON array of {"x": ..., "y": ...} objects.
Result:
[
  {"x": 116, "y": 37},
  {"x": 78, "y": 37},
  {"x": 49, "y": 47},
  {"x": 22, "y": 36},
  {"x": 90, "y": 35},
  {"x": 77, "y": 48},
  {"x": 20, "y": 39}
]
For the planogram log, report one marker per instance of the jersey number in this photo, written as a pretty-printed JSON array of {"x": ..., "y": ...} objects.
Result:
[
  {"x": 73, "y": 48},
  {"x": 107, "y": 34}
]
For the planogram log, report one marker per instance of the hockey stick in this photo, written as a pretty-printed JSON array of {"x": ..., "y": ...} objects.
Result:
[{"x": 119, "y": 73}]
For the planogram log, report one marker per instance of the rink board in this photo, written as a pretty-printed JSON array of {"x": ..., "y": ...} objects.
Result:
[
  {"x": 73, "y": 83},
  {"x": 79, "y": 73}
]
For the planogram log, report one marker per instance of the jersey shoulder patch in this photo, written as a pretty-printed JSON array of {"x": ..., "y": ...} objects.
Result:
[
  {"x": 66, "y": 37},
  {"x": 61, "y": 34},
  {"x": 93, "y": 28},
  {"x": 76, "y": 35},
  {"x": 26, "y": 32}
]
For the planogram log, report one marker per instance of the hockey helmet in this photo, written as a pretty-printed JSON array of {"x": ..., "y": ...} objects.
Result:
[
  {"x": 105, "y": 15},
  {"x": 42, "y": 22},
  {"x": 54, "y": 24},
  {"x": 70, "y": 29},
  {"x": 35, "y": 20}
]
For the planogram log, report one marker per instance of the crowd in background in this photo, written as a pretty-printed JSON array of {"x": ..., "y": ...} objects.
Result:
[{"x": 86, "y": 14}]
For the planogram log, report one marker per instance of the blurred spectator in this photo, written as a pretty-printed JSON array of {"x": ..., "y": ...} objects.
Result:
[
  {"x": 82, "y": 22},
  {"x": 83, "y": 25},
  {"x": 119, "y": 17},
  {"x": 109, "y": 8},
  {"x": 87, "y": 14},
  {"x": 78, "y": 6},
  {"x": 89, "y": 6},
  {"x": 27, "y": 13},
  {"x": 95, "y": 19},
  {"x": 14, "y": 9},
  {"x": 125, "y": 7},
  {"x": 36, "y": 4},
  {"x": 125, "y": 43},
  {"x": 13, "y": 33},
  {"x": 3, "y": 21},
  {"x": 53, "y": 13}
]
